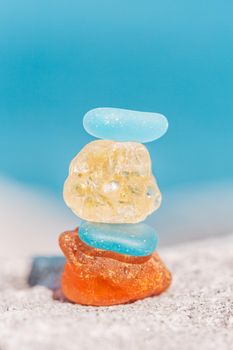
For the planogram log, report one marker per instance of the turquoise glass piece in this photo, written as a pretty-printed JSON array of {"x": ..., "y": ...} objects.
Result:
[
  {"x": 131, "y": 239},
  {"x": 124, "y": 125}
]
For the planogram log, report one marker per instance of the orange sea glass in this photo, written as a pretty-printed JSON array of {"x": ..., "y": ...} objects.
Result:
[{"x": 98, "y": 277}]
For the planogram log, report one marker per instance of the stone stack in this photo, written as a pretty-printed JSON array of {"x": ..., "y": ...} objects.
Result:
[{"x": 111, "y": 257}]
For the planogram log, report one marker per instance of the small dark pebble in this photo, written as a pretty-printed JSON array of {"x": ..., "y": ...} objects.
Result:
[{"x": 46, "y": 271}]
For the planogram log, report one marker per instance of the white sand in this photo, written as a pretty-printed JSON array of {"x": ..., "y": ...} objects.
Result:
[{"x": 196, "y": 313}]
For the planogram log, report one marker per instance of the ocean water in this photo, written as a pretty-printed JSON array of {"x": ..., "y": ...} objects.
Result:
[{"x": 58, "y": 59}]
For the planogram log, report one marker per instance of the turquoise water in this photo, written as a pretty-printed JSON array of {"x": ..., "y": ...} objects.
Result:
[{"x": 61, "y": 58}]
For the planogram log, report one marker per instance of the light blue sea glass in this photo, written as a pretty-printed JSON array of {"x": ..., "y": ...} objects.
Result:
[
  {"x": 131, "y": 239},
  {"x": 124, "y": 125}
]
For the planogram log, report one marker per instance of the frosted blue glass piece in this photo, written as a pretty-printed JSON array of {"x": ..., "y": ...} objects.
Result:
[
  {"x": 125, "y": 125},
  {"x": 131, "y": 239}
]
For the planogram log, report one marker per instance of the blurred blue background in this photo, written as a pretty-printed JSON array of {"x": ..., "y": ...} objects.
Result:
[{"x": 61, "y": 58}]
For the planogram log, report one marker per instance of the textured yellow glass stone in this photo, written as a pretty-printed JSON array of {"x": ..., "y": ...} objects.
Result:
[{"x": 112, "y": 182}]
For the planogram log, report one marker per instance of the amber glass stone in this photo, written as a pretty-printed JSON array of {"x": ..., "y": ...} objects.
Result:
[
  {"x": 97, "y": 277},
  {"x": 112, "y": 182}
]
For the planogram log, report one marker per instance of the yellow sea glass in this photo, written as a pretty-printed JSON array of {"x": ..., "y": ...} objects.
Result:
[{"x": 112, "y": 182}]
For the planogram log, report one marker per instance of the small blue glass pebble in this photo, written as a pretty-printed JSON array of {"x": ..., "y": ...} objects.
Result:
[
  {"x": 125, "y": 125},
  {"x": 131, "y": 239}
]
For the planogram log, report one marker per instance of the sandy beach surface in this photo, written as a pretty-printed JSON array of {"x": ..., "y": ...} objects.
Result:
[{"x": 195, "y": 313}]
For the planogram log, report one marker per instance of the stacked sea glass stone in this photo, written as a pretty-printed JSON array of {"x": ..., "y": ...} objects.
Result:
[{"x": 111, "y": 257}]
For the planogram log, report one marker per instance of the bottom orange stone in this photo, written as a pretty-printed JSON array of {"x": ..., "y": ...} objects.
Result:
[{"x": 102, "y": 278}]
